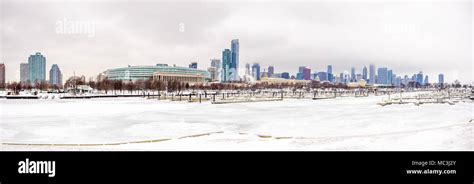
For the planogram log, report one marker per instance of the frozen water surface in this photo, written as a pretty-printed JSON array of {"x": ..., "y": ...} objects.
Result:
[{"x": 332, "y": 124}]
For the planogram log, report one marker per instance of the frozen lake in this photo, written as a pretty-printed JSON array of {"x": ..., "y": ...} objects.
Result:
[{"x": 333, "y": 124}]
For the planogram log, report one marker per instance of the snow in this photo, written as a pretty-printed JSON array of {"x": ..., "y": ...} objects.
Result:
[{"x": 334, "y": 124}]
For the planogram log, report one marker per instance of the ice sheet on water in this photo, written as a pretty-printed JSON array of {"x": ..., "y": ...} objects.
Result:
[{"x": 132, "y": 119}]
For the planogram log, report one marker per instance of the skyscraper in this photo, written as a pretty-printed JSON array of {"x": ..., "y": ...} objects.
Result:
[
  {"x": 301, "y": 68},
  {"x": 419, "y": 78},
  {"x": 322, "y": 76},
  {"x": 270, "y": 71},
  {"x": 247, "y": 69},
  {"x": 36, "y": 68},
  {"x": 55, "y": 76},
  {"x": 2, "y": 75},
  {"x": 216, "y": 63},
  {"x": 382, "y": 76},
  {"x": 234, "y": 66},
  {"x": 440, "y": 79},
  {"x": 306, "y": 73},
  {"x": 389, "y": 76},
  {"x": 372, "y": 74},
  {"x": 330, "y": 75},
  {"x": 226, "y": 61},
  {"x": 364, "y": 73},
  {"x": 353, "y": 74},
  {"x": 193, "y": 65},
  {"x": 23, "y": 72},
  {"x": 426, "y": 80},
  {"x": 256, "y": 71}
]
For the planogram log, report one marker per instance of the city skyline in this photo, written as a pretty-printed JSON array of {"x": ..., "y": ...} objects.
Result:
[
  {"x": 381, "y": 40},
  {"x": 383, "y": 75}
]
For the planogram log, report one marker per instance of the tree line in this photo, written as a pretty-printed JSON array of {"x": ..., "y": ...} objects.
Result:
[{"x": 147, "y": 85}]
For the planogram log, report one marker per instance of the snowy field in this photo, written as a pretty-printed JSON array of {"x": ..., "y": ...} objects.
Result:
[{"x": 333, "y": 124}]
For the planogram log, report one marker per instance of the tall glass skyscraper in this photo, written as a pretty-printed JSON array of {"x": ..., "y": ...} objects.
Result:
[
  {"x": 330, "y": 75},
  {"x": 55, "y": 76},
  {"x": 441, "y": 79},
  {"x": 306, "y": 73},
  {"x": 37, "y": 68},
  {"x": 364, "y": 73},
  {"x": 234, "y": 66},
  {"x": 256, "y": 71},
  {"x": 247, "y": 69},
  {"x": 226, "y": 63},
  {"x": 382, "y": 76},
  {"x": 271, "y": 71},
  {"x": 353, "y": 75},
  {"x": 389, "y": 77},
  {"x": 419, "y": 78},
  {"x": 372, "y": 74}
]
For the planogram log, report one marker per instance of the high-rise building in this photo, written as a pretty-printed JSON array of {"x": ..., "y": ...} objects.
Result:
[
  {"x": 270, "y": 71},
  {"x": 353, "y": 74},
  {"x": 23, "y": 72},
  {"x": 256, "y": 71},
  {"x": 382, "y": 76},
  {"x": 389, "y": 76},
  {"x": 193, "y": 65},
  {"x": 285, "y": 75},
  {"x": 216, "y": 63},
  {"x": 394, "y": 78},
  {"x": 330, "y": 77},
  {"x": 322, "y": 76},
  {"x": 247, "y": 69},
  {"x": 405, "y": 80},
  {"x": 2, "y": 74},
  {"x": 441, "y": 79},
  {"x": 419, "y": 78},
  {"x": 330, "y": 74},
  {"x": 234, "y": 66},
  {"x": 307, "y": 74},
  {"x": 55, "y": 76},
  {"x": 426, "y": 80},
  {"x": 372, "y": 74},
  {"x": 36, "y": 68},
  {"x": 304, "y": 73},
  {"x": 398, "y": 81},
  {"x": 364, "y": 73},
  {"x": 329, "y": 69},
  {"x": 301, "y": 68},
  {"x": 226, "y": 63},
  {"x": 299, "y": 76}
]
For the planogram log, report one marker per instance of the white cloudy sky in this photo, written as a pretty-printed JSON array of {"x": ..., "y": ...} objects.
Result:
[{"x": 435, "y": 37}]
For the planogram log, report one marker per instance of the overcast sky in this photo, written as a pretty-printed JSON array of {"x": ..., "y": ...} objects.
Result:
[{"x": 407, "y": 37}]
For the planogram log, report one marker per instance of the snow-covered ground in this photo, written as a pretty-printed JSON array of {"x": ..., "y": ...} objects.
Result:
[{"x": 333, "y": 124}]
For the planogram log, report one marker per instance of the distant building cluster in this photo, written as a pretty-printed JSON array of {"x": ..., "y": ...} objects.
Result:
[
  {"x": 225, "y": 70},
  {"x": 34, "y": 72},
  {"x": 230, "y": 62}
]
